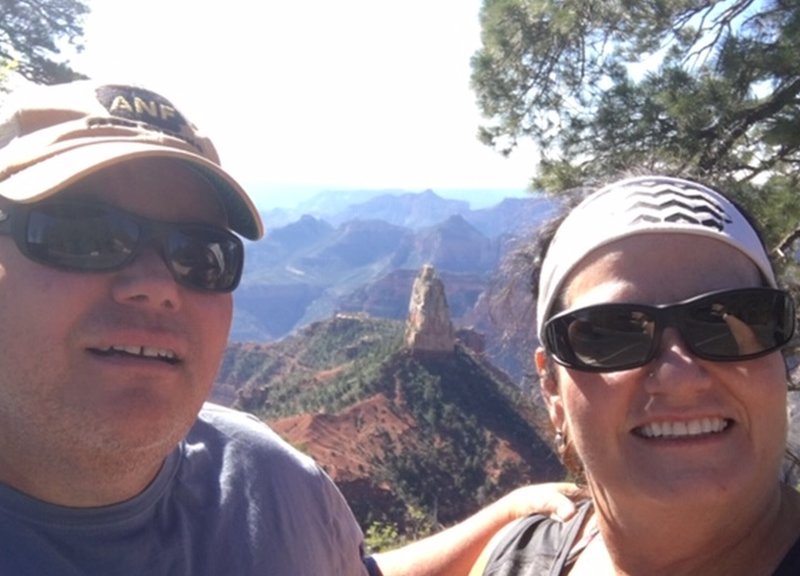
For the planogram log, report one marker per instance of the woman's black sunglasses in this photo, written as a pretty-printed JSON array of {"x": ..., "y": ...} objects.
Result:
[
  {"x": 94, "y": 237},
  {"x": 722, "y": 326}
]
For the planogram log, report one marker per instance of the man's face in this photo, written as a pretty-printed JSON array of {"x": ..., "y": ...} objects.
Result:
[{"x": 107, "y": 371}]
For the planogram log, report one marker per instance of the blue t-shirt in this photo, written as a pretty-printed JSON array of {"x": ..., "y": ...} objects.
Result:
[{"x": 232, "y": 499}]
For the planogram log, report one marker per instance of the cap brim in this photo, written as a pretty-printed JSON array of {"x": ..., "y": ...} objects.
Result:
[{"x": 54, "y": 173}]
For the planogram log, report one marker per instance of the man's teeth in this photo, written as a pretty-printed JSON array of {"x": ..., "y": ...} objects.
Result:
[
  {"x": 683, "y": 429},
  {"x": 144, "y": 351}
]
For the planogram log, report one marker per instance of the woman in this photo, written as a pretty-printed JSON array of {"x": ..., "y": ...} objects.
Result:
[{"x": 661, "y": 326}]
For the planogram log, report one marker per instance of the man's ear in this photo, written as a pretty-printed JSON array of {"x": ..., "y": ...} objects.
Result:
[{"x": 551, "y": 392}]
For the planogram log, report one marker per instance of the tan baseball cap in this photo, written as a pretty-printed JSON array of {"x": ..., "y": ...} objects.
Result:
[{"x": 53, "y": 136}]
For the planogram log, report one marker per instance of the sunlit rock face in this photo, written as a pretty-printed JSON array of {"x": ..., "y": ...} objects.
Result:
[{"x": 428, "y": 328}]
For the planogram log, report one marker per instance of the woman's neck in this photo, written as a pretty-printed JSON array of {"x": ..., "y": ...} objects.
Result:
[{"x": 747, "y": 539}]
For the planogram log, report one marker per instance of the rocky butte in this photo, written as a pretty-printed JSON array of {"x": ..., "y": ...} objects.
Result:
[{"x": 428, "y": 328}]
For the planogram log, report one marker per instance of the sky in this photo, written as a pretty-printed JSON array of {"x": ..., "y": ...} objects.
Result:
[{"x": 310, "y": 95}]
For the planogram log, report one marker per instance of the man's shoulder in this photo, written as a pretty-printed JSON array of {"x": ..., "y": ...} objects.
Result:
[
  {"x": 245, "y": 455},
  {"x": 234, "y": 426},
  {"x": 235, "y": 435},
  {"x": 230, "y": 418}
]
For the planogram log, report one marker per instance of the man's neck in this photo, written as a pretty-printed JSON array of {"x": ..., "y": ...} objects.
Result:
[{"x": 80, "y": 482}]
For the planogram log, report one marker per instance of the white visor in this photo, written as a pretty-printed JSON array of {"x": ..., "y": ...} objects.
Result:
[{"x": 643, "y": 205}]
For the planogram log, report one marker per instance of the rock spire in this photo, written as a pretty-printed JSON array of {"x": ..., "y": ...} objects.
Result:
[{"x": 428, "y": 328}]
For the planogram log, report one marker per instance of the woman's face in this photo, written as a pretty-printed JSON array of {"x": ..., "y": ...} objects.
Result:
[{"x": 726, "y": 420}]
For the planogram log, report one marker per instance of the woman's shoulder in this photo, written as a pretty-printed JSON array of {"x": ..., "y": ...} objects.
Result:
[
  {"x": 790, "y": 565},
  {"x": 533, "y": 545}
]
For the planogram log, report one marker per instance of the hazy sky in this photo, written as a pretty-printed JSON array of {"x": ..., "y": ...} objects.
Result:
[{"x": 327, "y": 93}]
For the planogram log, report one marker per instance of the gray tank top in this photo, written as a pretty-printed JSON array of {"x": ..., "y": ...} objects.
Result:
[{"x": 536, "y": 546}]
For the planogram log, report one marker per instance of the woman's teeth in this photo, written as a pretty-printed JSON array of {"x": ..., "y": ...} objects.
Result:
[{"x": 683, "y": 428}]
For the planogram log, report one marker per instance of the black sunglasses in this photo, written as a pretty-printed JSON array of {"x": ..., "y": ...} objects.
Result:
[
  {"x": 722, "y": 326},
  {"x": 95, "y": 237}
]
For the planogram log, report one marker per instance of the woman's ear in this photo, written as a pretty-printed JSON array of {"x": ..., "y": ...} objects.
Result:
[{"x": 551, "y": 392}]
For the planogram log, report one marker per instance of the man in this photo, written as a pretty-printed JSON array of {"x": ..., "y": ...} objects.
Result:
[{"x": 118, "y": 256}]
